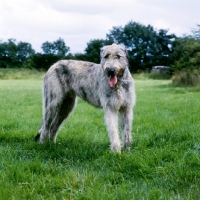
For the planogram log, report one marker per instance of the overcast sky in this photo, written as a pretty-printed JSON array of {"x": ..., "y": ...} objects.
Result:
[{"x": 79, "y": 21}]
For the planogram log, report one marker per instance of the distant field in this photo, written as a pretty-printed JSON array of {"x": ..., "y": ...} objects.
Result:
[
  {"x": 164, "y": 162},
  {"x": 20, "y": 73}
]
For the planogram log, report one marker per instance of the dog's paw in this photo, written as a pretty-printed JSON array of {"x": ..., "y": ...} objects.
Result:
[
  {"x": 116, "y": 148},
  {"x": 37, "y": 137},
  {"x": 126, "y": 146},
  {"x": 126, "y": 149}
]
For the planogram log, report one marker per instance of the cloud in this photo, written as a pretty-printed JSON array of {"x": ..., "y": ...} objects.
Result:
[
  {"x": 77, "y": 21},
  {"x": 39, "y": 22},
  {"x": 88, "y": 7}
]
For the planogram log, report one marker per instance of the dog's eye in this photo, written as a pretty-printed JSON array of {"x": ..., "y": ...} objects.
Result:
[
  {"x": 106, "y": 56},
  {"x": 118, "y": 56}
]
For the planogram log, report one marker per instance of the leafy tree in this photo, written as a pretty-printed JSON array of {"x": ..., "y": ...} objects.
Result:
[
  {"x": 8, "y": 54},
  {"x": 77, "y": 56},
  {"x": 146, "y": 46},
  {"x": 136, "y": 39},
  {"x": 164, "y": 47},
  {"x": 3, "y": 55},
  {"x": 186, "y": 68},
  {"x": 24, "y": 50},
  {"x": 186, "y": 54},
  {"x": 196, "y": 32},
  {"x": 48, "y": 48},
  {"x": 93, "y": 49},
  {"x": 58, "y": 48},
  {"x": 13, "y": 54},
  {"x": 52, "y": 52},
  {"x": 11, "y": 49},
  {"x": 41, "y": 61}
]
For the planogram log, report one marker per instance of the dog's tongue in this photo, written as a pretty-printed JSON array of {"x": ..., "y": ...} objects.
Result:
[{"x": 112, "y": 81}]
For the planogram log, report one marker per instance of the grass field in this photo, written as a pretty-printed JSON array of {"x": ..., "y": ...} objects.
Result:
[{"x": 164, "y": 162}]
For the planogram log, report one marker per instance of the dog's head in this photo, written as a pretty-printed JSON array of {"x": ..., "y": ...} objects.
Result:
[{"x": 114, "y": 60}]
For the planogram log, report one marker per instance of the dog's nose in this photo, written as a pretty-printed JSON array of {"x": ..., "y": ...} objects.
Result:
[{"x": 111, "y": 71}]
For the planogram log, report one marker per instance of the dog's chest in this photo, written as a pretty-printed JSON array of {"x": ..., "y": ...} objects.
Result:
[{"x": 113, "y": 99}]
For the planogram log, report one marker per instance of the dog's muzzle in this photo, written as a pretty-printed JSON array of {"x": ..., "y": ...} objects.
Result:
[{"x": 111, "y": 73}]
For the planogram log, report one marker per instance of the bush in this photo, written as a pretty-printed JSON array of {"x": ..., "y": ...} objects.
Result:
[
  {"x": 159, "y": 76},
  {"x": 186, "y": 78}
]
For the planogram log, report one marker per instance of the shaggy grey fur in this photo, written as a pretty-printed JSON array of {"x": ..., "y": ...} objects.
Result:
[{"x": 108, "y": 85}]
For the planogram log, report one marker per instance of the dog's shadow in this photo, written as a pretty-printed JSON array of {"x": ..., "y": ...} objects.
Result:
[
  {"x": 69, "y": 150},
  {"x": 78, "y": 153}
]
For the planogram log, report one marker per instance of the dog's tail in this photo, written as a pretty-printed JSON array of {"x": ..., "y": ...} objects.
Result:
[{"x": 37, "y": 137}]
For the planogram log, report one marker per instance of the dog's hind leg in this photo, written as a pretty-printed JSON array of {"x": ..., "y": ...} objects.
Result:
[
  {"x": 63, "y": 109},
  {"x": 51, "y": 100},
  {"x": 48, "y": 115},
  {"x": 48, "y": 118}
]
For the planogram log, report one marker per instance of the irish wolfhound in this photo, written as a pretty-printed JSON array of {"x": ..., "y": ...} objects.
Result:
[{"x": 108, "y": 85}]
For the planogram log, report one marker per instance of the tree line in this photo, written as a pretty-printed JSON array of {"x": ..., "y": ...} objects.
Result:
[{"x": 146, "y": 46}]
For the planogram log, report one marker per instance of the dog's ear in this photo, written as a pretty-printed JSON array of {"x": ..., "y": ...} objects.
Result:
[
  {"x": 126, "y": 53},
  {"x": 103, "y": 50},
  {"x": 124, "y": 49}
]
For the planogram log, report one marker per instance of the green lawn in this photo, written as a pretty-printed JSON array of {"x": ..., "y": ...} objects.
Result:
[{"x": 164, "y": 162}]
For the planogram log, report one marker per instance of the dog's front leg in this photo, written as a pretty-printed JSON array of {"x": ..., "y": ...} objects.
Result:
[
  {"x": 111, "y": 119},
  {"x": 126, "y": 118}
]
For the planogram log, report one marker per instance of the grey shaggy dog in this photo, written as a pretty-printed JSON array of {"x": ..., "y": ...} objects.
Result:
[{"x": 108, "y": 85}]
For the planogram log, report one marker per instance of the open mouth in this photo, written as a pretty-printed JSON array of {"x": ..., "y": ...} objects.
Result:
[{"x": 112, "y": 80}]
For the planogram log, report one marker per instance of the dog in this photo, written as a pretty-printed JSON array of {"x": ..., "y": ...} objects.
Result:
[{"x": 108, "y": 85}]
